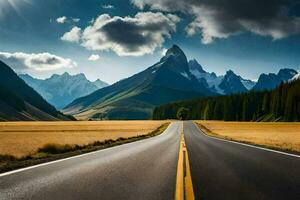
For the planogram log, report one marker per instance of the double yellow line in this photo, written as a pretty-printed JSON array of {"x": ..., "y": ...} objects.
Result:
[{"x": 184, "y": 185}]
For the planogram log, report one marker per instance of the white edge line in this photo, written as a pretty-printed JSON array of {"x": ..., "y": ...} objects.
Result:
[
  {"x": 72, "y": 157},
  {"x": 248, "y": 145}
]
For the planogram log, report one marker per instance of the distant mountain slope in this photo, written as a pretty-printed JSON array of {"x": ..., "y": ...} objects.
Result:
[
  {"x": 134, "y": 98},
  {"x": 227, "y": 84},
  {"x": 232, "y": 83},
  {"x": 18, "y": 101},
  {"x": 279, "y": 104},
  {"x": 60, "y": 90},
  {"x": 100, "y": 84},
  {"x": 212, "y": 79},
  {"x": 271, "y": 81}
]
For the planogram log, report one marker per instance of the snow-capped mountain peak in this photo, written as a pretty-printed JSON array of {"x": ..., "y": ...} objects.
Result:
[{"x": 61, "y": 90}]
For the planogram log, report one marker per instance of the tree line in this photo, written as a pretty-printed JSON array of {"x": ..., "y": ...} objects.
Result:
[{"x": 280, "y": 104}]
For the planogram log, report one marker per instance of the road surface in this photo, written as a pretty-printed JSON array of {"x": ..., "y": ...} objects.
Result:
[
  {"x": 147, "y": 170},
  {"x": 141, "y": 170},
  {"x": 224, "y": 170}
]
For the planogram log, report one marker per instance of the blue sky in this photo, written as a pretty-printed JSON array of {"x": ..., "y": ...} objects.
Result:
[{"x": 127, "y": 36}]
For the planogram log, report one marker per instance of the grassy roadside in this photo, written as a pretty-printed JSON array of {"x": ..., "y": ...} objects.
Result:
[
  {"x": 51, "y": 152},
  {"x": 208, "y": 132}
]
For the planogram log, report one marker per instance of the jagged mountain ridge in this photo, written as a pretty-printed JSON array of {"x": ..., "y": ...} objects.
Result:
[
  {"x": 18, "y": 101},
  {"x": 173, "y": 78},
  {"x": 60, "y": 90},
  {"x": 271, "y": 80},
  {"x": 231, "y": 83},
  {"x": 134, "y": 98},
  {"x": 224, "y": 84}
]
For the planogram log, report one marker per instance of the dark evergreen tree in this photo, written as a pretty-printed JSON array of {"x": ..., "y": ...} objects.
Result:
[{"x": 282, "y": 103}]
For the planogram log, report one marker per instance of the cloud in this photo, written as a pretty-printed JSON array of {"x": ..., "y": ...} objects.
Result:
[
  {"x": 108, "y": 6},
  {"x": 61, "y": 20},
  {"x": 221, "y": 19},
  {"x": 126, "y": 36},
  {"x": 73, "y": 35},
  {"x": 64, "y": 19},
  {"x": 94, "y": 57},
  {"x": 75, "y": 20},
  {"x": 22, "y": 62}
]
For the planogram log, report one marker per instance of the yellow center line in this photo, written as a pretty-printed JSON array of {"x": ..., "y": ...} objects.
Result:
[{"x": 184, "y": 185}]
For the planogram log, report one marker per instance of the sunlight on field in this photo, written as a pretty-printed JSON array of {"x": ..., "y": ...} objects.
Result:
[
  {"x": 280, "y": 135},
  {"x": 23, "y": 138}
]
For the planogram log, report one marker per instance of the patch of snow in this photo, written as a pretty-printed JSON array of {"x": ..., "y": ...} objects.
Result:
[
  {"x": 248, "y": 84},
  {"x": 185, "y": 75},
  {"x": 212, "y": 80},
  {"x": 297, "y": 76},
  {"x": 196, "y": 73}
]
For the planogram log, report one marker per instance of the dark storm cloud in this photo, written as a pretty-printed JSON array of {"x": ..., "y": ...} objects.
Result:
[
  {"x": 125, "y": 33},
  {"x": 223, "y": 18},
  {"x": 133, "y": 36}
]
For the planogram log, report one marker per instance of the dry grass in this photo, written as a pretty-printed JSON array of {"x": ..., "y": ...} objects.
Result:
[
  {"x": 24, "y": 138},
  {"x": 278, "y": 135}
]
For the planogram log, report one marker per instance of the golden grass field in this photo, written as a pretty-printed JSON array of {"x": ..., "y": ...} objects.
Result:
[
  {"x": 24, "y": 138},
  {"x": 279, "y": 135}
]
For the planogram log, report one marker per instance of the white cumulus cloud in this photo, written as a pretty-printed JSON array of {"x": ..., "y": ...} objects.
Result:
[
  {"x": 94, "y": 57},
  {"x": 21, "y": 62},
  {"x": 61, "y": 20},
  {"x": 73, "y": 35},
  {"x": 64, "y": 20}
]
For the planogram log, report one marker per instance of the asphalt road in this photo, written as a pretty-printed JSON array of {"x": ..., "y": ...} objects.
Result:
[
  {"x": 141, "y": 170},
  {"x": 224, "y": 170},
  {"x": 147, "y": 170}
]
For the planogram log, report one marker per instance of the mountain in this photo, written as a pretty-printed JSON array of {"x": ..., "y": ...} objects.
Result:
[
  {"x": 232, "y": 83},
  {"x": 212, "y": 79},
  {"x": 60, "y": 90},
  {"x": 134, "y": 98},
  {"x": 297, "y": 76},
  {"x": 228, "y": 84},
  {"x": 287, "y": 74},
  {"x": 171, "y": 79},
  {"x": 18, "y": 101},
  {"x": 249, "y": 84},
  {"x": 271, "y": 80},
  {"x": 100, "y": 84},
  {"x": 279, "y": 104}
]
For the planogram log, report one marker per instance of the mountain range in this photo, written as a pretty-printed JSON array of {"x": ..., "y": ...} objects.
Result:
[
  {"x": 227, "y": 84},
  {"x": 18, "y": 101},
  {"x": 171, "y": 79},
  {"x": 168, "y": 80},
  {"x": 61, "y": 90},
  {"x": 271, "y": 80}
]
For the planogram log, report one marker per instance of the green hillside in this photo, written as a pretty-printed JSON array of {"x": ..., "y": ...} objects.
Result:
[{"x": 135, "y": 97}]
